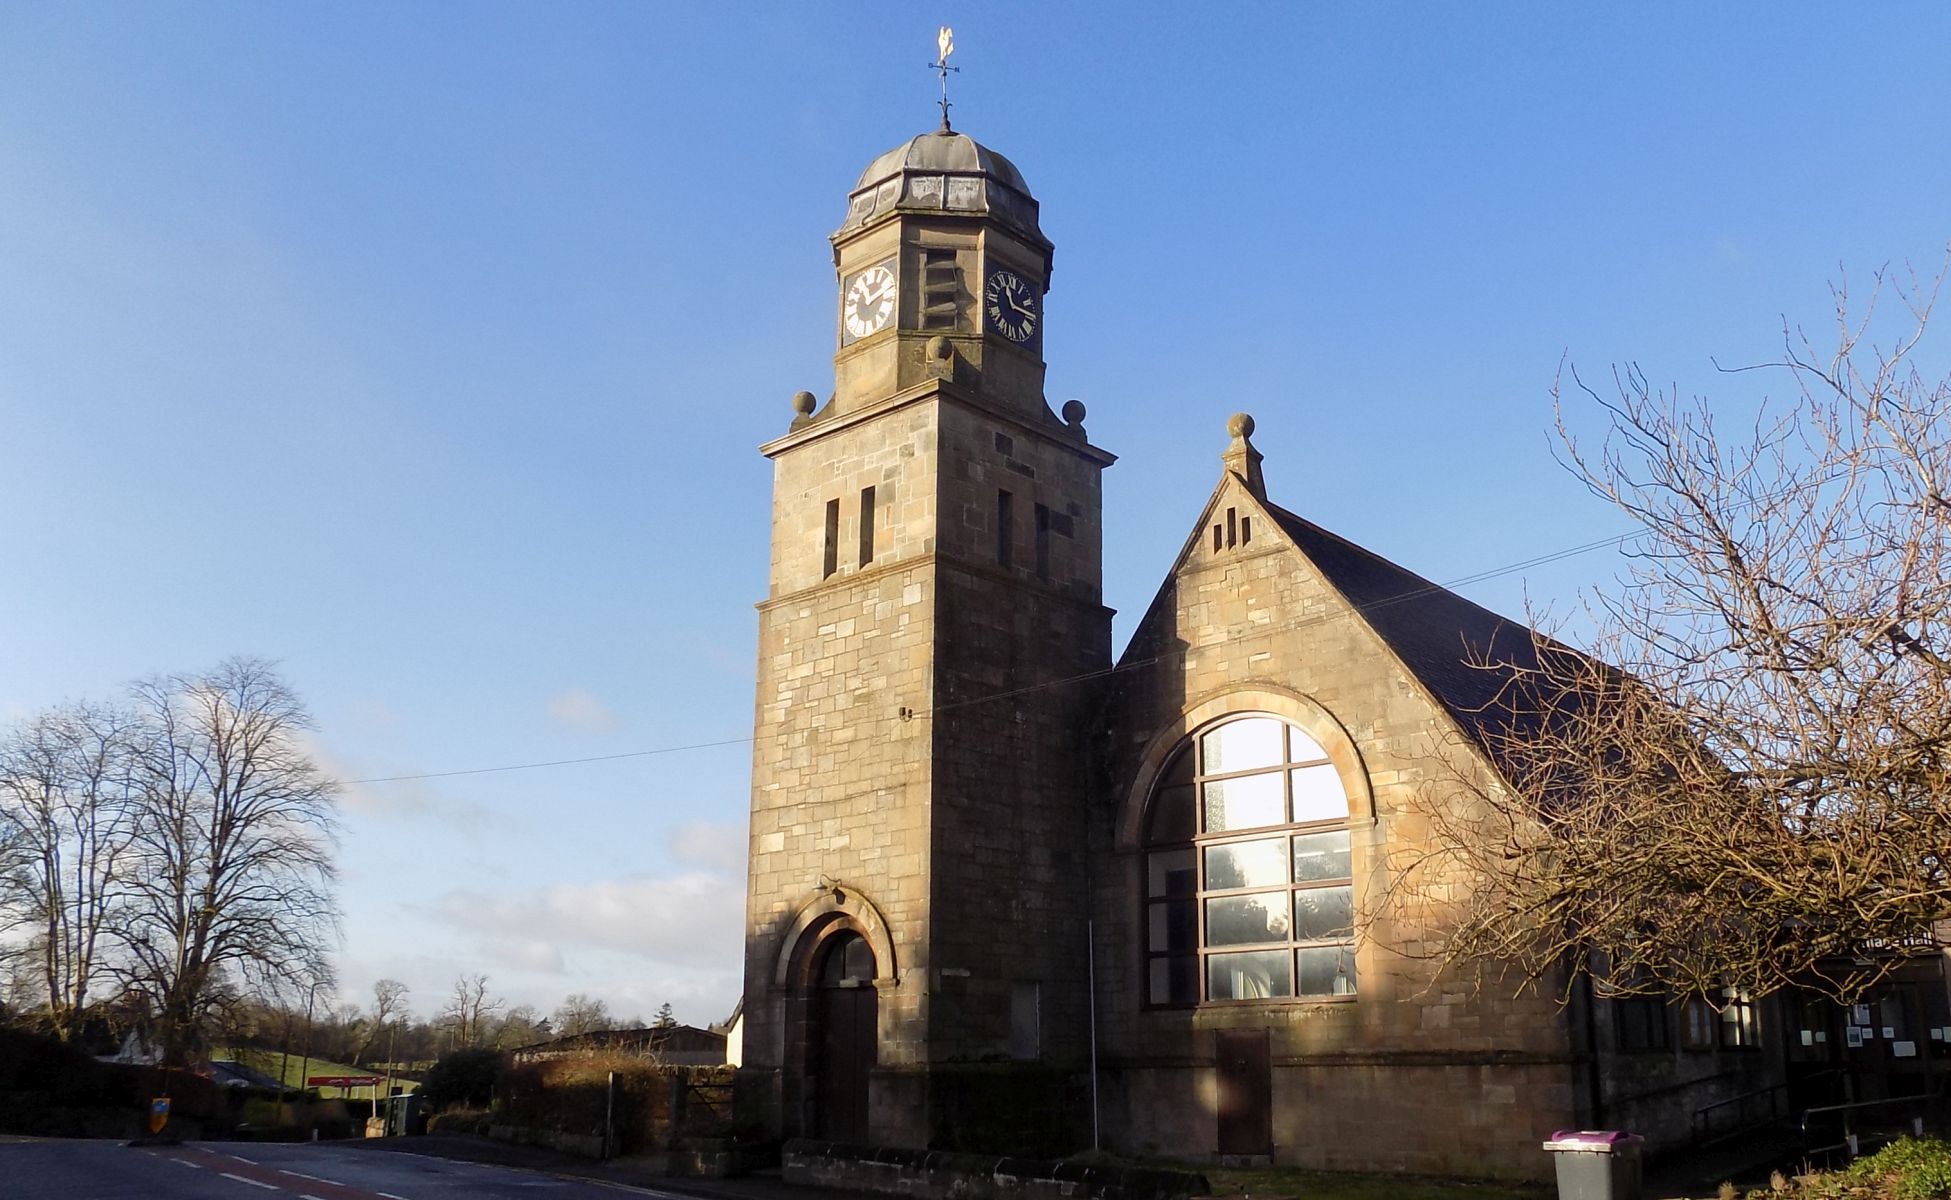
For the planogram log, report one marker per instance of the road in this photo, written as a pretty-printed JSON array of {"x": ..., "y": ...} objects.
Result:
[{"x": 77, "y": 1169}]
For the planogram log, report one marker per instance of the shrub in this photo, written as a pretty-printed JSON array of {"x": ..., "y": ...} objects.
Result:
[
  {"x": 1906, "y": 1169},
  {"x": 460, "y": 1120},
  {"x": 463, "y": 1078}
]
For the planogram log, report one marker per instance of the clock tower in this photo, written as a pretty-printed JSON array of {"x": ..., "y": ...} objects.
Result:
[{"x": 916, "y": 942}]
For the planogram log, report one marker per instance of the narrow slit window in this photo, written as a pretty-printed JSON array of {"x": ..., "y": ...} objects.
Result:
[
  {"x": 1042, "y": 542},
  {"x": 1232, "y": 528},
  {"x": 1246, "y": 530},
  {"x": 866, "y": 525},
  {"x": 1218, "y": 531},
  {"x": 832, "y": 539},
  {"x": 1005, "y": 529}
]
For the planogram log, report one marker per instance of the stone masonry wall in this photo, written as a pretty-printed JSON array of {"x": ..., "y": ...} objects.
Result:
[
  {"x": 840, "y": 778},
  {"x": 1419, "y": 1071}
]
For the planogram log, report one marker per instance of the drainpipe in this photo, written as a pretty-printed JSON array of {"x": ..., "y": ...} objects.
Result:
[{"x": 1594, "y": 1084}]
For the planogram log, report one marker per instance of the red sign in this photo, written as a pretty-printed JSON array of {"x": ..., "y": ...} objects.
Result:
[{"x": 344, "y": 1081}]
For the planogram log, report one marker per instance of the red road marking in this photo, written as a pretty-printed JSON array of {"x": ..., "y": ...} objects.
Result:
[{"x": 248, "y": 1171}]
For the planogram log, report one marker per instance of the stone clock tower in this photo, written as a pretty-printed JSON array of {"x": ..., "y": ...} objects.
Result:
[{"x": 915, "y": 969}]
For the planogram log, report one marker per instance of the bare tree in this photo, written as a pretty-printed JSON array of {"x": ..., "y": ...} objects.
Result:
[
  {"x": 522, "y": 1025},
  {"x": 469, "y": 1009},
  {"x": 1758, "y": 792},
  {"x": 235, "y": 834},
  {"x": 579, "y": 1013},
  {"x": 66, "y": 822},
  {"x": 389, "y": 1007}
]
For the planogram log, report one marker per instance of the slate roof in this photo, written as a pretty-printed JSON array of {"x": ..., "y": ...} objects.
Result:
[{"x": 1465, "y": 654}]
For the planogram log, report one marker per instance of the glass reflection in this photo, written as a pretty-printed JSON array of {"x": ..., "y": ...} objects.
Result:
[
  {"x": 1256, "y": 975},
  {"x": 1246, "y": 864},
  {"x": 1242, "y": 746},
  {"x": 1247, "y": 803}
]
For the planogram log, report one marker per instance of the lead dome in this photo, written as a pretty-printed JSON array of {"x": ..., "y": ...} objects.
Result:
[{"x": 942, "y": 171}]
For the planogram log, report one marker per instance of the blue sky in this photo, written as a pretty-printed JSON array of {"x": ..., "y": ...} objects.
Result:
[{"x": 425, "y": 348}]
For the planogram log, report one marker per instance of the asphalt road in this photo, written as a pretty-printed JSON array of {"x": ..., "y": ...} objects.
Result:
[{"x": 75, "y": 1169}]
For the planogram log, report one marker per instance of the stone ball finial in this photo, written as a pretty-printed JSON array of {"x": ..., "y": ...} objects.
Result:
[
  {"x": 1240, "y": 425},
  {"x": 804, "y": 403},
  {"x": 1073, "y": 412}
]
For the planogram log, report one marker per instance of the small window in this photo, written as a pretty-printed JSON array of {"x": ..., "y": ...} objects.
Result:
[
  {"x": 832, "y": 539},
  {"x": 1697, "y": 1021},
  {"x": 1025, "y": 1020},
  {"x": 1005, "y": 528},
  {"x": 1232, "y": 527},
  {"x": 1641, "y": 1023},
  {"x": 866, "y": 525},
  {"x": 1740, "y": 1028},
  {"x": 1042, "y": 542}
]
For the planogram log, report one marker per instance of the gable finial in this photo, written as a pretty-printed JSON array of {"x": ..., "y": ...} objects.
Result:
[
  {"x": 944, "y": 46},
  {"x": 1241, "y": 458}
]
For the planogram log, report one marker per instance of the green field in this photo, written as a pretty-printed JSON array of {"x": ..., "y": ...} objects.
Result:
[{"x": 275, "y": 1064}]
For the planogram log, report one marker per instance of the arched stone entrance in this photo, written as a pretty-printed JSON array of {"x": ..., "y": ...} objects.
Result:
[{"x": 843, "y": 1033}]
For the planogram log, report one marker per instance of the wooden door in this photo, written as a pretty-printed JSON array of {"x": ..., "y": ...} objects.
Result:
[
  {"x": 1246, "y": 1107},
  {"x": 845, "y": 1036}
]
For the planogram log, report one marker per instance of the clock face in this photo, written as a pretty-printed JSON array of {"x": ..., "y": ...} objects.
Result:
[
  {"x": 1010, "y": 303},
  {"x": 869, "y": 302}
]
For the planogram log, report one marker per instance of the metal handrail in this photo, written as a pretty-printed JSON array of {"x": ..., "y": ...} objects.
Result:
[
  {"x": 1853, "y": 1105},
  {"x": 1702, "y": 1122}
]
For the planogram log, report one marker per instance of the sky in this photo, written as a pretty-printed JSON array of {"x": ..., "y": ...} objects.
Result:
[{"x": 425, "y": 348}]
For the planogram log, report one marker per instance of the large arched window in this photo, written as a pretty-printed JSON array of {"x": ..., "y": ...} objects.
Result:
[{"x": 1248, "y": 889}]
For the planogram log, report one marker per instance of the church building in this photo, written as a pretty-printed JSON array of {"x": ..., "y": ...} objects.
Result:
[{"x": 1009, "y": 894}]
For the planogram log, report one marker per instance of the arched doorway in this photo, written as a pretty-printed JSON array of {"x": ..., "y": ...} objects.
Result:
[{"x": 844, "y": 1036}]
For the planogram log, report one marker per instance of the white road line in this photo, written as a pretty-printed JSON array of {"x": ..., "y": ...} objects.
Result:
[
  {"x": 313, "y": 1178},
  {"x": 389, "y": 1196},
  {"x": 186, "y": 1162},
  {"x": 240, "y": 1158},
  {"x": 269, "y": 1187},
  {"x": 305, "y": 1197}
]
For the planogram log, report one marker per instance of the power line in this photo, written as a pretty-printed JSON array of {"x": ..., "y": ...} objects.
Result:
[{"x": 1464, "y": 581}]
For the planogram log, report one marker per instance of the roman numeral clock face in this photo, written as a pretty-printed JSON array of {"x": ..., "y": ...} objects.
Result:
[
  {"x": 1010, "y": 304},
  {"x": 868, "y": 304}
]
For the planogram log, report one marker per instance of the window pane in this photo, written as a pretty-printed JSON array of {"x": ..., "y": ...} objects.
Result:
[
  {"x": 1254, "y": 976},
  {"x": 1244, "y": 803},
  {"x": 1171, "y": 816},
  {"x": 1327, "y": 912},
  {"x": 1247, "y": 864},
  {"x": 1327, "y": 971},
  {"x": 1171, "y": 873},
  {"x": 1246, "y": 920},
  {"x": 1302, "y": 748},
  {"x": 1321, "y": 856},
  {"x": 1318, "y": 795},
  {"x": 1175, "y": 980},
  {"x": 1242, "y": 746},
  {"x": 1174, "y": 926}
]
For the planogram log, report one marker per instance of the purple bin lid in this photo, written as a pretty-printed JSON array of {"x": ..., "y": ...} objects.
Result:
[{"x": 1595, "y": 1141}]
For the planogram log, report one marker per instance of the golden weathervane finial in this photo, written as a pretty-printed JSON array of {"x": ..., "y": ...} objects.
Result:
[{"x": 944, "y": 46}]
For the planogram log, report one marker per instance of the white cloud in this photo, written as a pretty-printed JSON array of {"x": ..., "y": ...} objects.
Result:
[
  {"x": 581, "y": 709},
  {"x": 695, "y": 919},
  {"x": 719, "y": 844},
  {"x": 405, "y": 798},
  {"x": 544, "y": 958}
]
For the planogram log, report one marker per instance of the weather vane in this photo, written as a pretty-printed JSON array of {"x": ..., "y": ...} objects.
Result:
[{"x": 945, "y": 46}]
